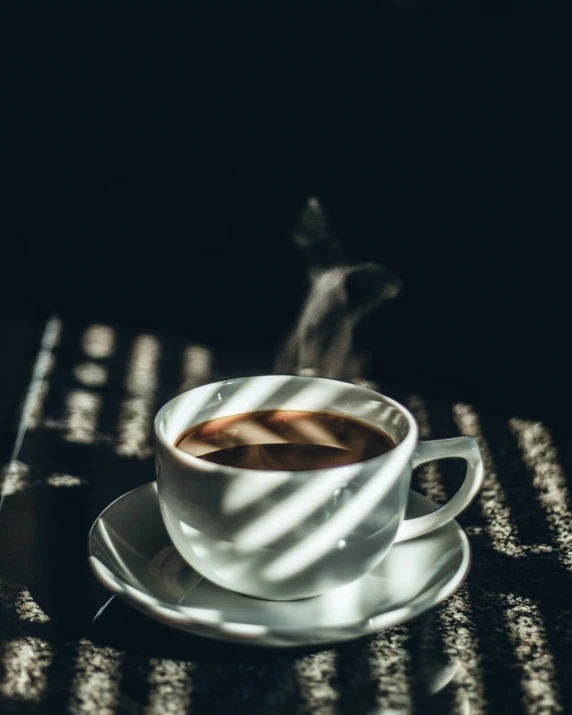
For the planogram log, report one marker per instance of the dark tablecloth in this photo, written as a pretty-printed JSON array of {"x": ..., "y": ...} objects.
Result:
[{"x": 84, "y": 399}]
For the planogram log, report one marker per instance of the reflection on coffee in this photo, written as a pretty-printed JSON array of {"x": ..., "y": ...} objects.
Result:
[{"x": 284, "y": 440}]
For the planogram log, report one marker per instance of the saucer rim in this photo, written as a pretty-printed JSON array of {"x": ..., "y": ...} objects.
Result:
[{"x": 195, "y": 623}]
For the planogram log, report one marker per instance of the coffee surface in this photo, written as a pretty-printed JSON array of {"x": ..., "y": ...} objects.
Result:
[{"x": 284, "y": 440}]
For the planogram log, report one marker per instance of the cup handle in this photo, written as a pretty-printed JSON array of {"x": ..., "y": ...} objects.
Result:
[{"x": 465, "y": 447}]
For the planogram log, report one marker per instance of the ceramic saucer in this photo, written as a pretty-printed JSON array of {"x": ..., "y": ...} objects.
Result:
[{"x": 132, "y": 555}]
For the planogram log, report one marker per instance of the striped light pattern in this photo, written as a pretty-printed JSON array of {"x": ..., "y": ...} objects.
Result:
[{"x": 95, "y": 685}]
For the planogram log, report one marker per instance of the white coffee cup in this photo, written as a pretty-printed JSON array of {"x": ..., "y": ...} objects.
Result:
[{"x": 286, "y": 535}]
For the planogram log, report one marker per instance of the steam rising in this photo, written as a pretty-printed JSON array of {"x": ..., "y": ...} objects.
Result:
[{"x": 340, "y": 295}]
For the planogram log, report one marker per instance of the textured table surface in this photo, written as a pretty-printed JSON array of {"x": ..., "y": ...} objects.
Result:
[{"x": 501, "y": 644}]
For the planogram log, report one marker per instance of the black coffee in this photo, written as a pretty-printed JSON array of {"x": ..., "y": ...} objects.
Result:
[{"x": 284, "y": 440}]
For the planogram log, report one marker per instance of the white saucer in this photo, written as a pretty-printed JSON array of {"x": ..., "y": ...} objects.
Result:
[{"x": 132, "y": 555}]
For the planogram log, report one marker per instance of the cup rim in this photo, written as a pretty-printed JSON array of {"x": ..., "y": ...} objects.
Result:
[{"x": 202, "y": 465}]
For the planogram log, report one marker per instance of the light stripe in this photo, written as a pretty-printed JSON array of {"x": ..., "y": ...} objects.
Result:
[
  {"x": 98, "y": 341},
  {"x": 38, "y": 408},
  {"x": 329, "y": 533},
  {"x": 136, "y": 411},
  {"x": 83, "y": 407},
  {"x": 388, "y": 662},
  {"x": 90, "y": 374},
  {"x": 38, "y": 387},
  {"x": 459, "y": 640},
  {"x": 430, "y": 479},
  {"x": 196, "y": 367},
  {"x": 64, "y": 480},
  {"x": 18, "y": 598},
  {"x": 461, "y": 646},
  {"x": 288, "y": 513},
  {"x": 25, "y": 663},
  {"x": 95, "y": 686},
  {"x": 500, "y": 526},
  {"x": 82, "y": 416},
  {"x": 28, "y": 610},
  {"x": 316, "y": 676},
  {"x": 310, "y": 431},
  {"x": 537, "y": 672},
  {"x": 80, "y": 423},
  {"x": 170, "y": 687},
  {"x": 540, "y": 455},
  {"x": 14, "y": 478}
]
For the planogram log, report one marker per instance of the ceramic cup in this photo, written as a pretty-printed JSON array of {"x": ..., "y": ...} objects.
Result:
[{"x": 287, "y": 535}]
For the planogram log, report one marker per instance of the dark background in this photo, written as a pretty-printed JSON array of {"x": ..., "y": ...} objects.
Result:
[{"x": 154, "y": 162}]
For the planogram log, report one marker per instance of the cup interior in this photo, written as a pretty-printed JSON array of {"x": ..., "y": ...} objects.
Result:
[{"x": 283, "y": 392}]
